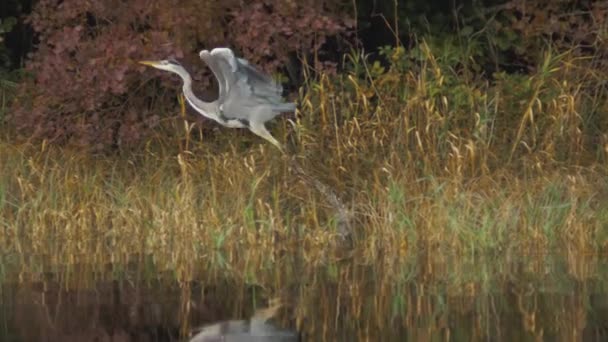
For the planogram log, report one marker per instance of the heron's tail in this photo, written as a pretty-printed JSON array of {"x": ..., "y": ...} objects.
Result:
[{"x": 285, "y": 107}]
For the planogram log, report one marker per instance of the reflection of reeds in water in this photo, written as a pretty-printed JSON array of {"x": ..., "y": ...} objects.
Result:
[{"x": 461, "y": 298}]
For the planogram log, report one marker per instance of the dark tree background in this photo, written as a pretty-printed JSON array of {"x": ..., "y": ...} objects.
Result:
[{"x": 82, "y": 85}]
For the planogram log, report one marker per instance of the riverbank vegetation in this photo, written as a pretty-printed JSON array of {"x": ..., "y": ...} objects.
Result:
[
  {"x": 441, "y": 143},
  {"x": 426, "y": 157}
]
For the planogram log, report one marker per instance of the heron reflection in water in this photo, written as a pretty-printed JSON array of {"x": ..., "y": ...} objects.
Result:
[{"x": 256, "y": 329}]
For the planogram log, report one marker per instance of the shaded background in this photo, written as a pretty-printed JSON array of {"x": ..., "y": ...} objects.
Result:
[{"x": 68, "y": 67}]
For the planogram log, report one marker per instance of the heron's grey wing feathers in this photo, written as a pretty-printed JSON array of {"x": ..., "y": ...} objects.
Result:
[
  {"x": 218, "y": 69},
  {"x": 248, "y": 88},
  {"x": 236, "y": 69},
  {"x": 260, "y": 82},
  {"x": 243, "y": 63},
  {"x": 240, "y": 103}
]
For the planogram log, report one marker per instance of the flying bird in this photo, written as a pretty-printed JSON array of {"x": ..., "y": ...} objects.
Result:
[{"x": 248, "y": 97}]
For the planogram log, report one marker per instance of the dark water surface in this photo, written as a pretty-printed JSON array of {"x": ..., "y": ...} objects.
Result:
[{"x": 423, "y": 298}]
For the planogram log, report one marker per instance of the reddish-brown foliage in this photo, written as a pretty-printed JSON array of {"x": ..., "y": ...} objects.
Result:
[
  {"x": 568, "y": 24},
  {"x": 266, "y": 27},
  {"x": 85, "y": 85}
]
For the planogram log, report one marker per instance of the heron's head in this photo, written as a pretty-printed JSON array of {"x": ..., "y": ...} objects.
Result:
[{"x": 167, "y": 65}]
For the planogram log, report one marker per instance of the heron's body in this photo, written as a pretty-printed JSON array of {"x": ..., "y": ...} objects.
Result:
[{"x": 248, "y": 98}]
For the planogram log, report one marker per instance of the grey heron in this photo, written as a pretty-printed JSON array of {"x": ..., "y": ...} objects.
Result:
[{"x": 248, "y": 98}]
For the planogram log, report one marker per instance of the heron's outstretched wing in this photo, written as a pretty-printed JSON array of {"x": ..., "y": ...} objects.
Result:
[
  {"x": 260, "y": 82},
  {"x": 240, "y": 73},
  {"x": 246, "y": 90},
  {"x": 219, "y": 72}
]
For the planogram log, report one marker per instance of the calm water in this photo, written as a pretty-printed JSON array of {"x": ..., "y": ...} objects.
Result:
[{"x": 529, "y": 298}]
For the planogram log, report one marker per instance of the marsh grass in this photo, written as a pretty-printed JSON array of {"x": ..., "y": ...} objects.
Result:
[{"x": 428, "y": 157}]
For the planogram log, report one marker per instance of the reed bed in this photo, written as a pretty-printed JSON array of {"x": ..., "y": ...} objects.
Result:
[{"x": 426, "y": 156}]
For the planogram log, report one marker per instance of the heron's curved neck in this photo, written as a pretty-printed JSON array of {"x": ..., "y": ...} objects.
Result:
[{"x": 207, "y": 109}]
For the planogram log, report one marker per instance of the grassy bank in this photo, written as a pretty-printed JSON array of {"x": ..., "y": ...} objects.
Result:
[
  {"x": 59, "y": 201},
  {"x": 424, "y": 153}
]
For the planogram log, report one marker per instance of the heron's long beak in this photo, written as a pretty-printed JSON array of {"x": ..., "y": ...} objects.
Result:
[{"x": 149, "y": 63}]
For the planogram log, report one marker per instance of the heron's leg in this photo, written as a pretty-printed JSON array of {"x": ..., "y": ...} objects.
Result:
[{"x": 259, "y": 129}]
